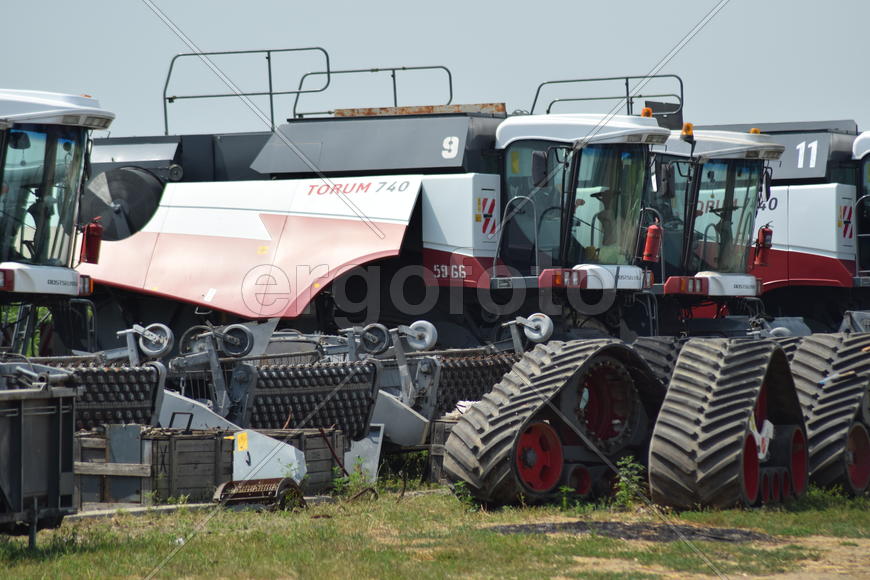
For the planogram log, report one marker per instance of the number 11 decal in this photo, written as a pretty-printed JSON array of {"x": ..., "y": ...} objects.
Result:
[{"x": 813, "y": 146}]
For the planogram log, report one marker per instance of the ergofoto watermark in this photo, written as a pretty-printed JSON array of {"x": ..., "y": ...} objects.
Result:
[{"x": 367, "y": 291}]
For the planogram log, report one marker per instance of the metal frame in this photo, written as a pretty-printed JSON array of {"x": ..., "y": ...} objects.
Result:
[
  {"x": 858, "y": 234},
  {"x": 270, "y": 93},
  {"x": 392, "y": 70},
  {"x": 629, "y": 98}
]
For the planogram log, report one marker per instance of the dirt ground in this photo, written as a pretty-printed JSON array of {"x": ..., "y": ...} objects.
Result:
[{"x": 839, "y": 558}]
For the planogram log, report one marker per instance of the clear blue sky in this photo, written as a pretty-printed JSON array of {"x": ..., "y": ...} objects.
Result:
[{"x": 770, "y": 60}]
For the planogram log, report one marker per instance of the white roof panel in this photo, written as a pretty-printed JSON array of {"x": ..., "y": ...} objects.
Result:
[
  {"x": 51, "y": 108},
  {"x": 569, "y": 128}
]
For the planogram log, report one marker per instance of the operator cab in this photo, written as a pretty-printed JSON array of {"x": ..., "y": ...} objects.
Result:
[
  {"x": 43, "y": 148},
  {"x": 572, "y": 193},
  {"x": 705, "y": 191}
]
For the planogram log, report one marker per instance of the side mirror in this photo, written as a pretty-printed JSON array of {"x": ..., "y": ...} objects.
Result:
[
  {"x": 539, "y": 169},
  {"x": 19, "y": 140},
  {"x": 667, "y": 181},
  {"x": 765, "y": 184}
]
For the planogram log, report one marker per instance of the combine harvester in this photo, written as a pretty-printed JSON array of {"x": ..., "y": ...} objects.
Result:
[
  {"x": 486, "y": 225},
  {"x": 43, "y": 152},
  {"x": 818, "y": 269}
]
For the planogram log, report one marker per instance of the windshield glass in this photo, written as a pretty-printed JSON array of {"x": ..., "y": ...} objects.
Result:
[
  {"x": 725, "y": 214},
  {"x": 668, "y": 194},
  {"x": 42, "y": 168},
  {"x": 531, "y": 236},
  {"x": 610, "y": 183}
]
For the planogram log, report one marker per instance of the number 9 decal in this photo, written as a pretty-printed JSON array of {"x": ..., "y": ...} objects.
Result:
[{"x": 449, "y": 147}]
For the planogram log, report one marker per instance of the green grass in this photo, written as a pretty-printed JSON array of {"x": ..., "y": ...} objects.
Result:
[
  {"x": 820, "y": 512},
  {"x": 422, "y": 536}
]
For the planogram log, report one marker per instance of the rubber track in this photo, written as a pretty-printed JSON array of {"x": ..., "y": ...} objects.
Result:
[
  {"x": 831, "y": 374},
  {"x": 660, "y": 353},
  {"x": 697, "y": 443},
  {"x": 479, "y": 450},
  {"x": 790, "y": 345}
]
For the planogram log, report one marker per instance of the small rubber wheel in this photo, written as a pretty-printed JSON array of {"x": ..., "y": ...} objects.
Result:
[
  {"x": 159, "y": 346},
  {"x": 237, "y": 340}
]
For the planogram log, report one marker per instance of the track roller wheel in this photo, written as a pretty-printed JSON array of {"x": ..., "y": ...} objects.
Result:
[
  {"x": 580, "y": 480},
  {"x": 539, "y": 458},
  {"x": 776, "y": 485},
  {"x": 789, "y": 451},
  {"x": 766, "y": 487},
  {"x": 858, "y": 459},
  {"x": 750, "y": 472}
]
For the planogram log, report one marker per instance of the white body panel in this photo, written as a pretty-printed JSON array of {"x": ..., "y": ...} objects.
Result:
[
  {"x": 215, "y": 208},
  {"x": 462, "y": 213},
  {"x": 43, "y": 279},
  {"x": 813, "y": 219},
  {"x": 730, "y": 284},
  {"x": 606, "y": 277}
]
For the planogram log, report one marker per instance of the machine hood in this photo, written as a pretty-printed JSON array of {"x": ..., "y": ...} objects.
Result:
[{"x": 260, "y": 248}]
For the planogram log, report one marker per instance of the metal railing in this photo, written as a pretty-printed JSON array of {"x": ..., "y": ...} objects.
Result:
[
  {"x": 392, "y": 70},
  {"x": 628, "y": 96},
  {"x": 271, "y": 93}
]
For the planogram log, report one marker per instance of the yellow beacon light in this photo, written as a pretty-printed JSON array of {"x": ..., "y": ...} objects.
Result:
[
  {"x": 688, "y": 130},
  {"x": 755, "y": 130},
  {"x": 646, "y": 112}
]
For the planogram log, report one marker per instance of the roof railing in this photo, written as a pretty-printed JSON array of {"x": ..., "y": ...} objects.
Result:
[
  {"x": 270, "y": 92},
  {"x": 392, "y": 70},
  {"x": 628, "y": 96}
]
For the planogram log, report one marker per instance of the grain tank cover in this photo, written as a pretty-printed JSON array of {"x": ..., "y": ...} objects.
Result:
[{"x": 451, "y": 143}]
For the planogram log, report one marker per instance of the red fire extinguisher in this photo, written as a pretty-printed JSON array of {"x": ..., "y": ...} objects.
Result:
[
  {"x": 653, "y": 245},
  {"x": 763, "y": 244},
  {"x": 92, "y": 239}
]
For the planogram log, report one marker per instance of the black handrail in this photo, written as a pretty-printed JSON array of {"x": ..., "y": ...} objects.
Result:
[
  {"x": 392, "y": 70},
  {"x": 574, "y": 99},
  {"x": 629, "y": 98},
  {"x": 270, "y": 93}
]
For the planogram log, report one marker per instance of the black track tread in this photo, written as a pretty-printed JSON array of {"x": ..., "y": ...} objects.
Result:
[
  {"x": 697, "y": 442},
  {"x": 831, "y": 373},
  {"x": 790, "y": 345},
  {"x": 479, "y": 449},
  {"x": 660, "y": 353}
]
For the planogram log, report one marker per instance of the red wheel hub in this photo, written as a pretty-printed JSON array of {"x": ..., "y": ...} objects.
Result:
[
  {"x": 751, "y": 469},
  {"x": 539, "y": 457},
  {"x": 798, "y": 469},
  {"x": 858, "y": 458},
  {"x": 581, "y": 480},
  {"x": 608, "y": 403}
]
